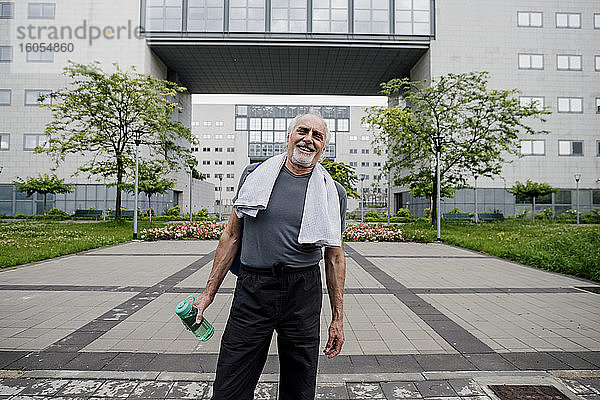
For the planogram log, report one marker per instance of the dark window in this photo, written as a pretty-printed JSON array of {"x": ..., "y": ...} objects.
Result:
[
  {"x": 6, "y": 10},
  {"x": 563, "y": 197},
  {"x": 595, "y": 197},
  {"x": 577, "y": 148}
]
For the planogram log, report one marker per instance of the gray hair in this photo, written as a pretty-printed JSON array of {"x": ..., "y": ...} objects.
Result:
[{"x": 295, "y": 121}]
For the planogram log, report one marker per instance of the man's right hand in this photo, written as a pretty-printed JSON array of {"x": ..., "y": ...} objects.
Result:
[{"x": 201, "y": 303}]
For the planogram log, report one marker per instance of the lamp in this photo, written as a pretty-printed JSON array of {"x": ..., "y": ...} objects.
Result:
[{"x": 577, "y": 178}]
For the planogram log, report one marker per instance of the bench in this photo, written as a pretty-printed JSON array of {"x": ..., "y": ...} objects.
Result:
[
  {"x": 490, "y": 217},
  {"x": 124, "y": 214},
  {"x": 456, "y": 216},
  {"x": 88, "y": 213}
]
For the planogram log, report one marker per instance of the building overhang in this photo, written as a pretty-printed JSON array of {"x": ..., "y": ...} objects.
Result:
[{"x": 287, "y": 64}]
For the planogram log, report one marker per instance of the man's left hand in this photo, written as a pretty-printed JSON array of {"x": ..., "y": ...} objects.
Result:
[{"x": 336, "y": 339}]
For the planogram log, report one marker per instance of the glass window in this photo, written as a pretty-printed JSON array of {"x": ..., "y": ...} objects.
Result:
[
  {"x": 206, "y": 149},
  {"x": 364, "y": 164},
  {"x": 598, "y": 148},
  {"x": 207, "y": 123},
  {"x": 206, "y": 136},
  {"x": 343, "y": 125},
  {"x": 531, "y": 61},
  {"x": 597, "y": 63},
  {"x": 230, "y": 162},
  {"x": 241, "y": 124},
  {"x": 371, "y": 16},
  {"x": 570, "y": 147},
  {"x": 595, "y": 197},
  {"x": 353, "y": 164},
  {"x": 267, "y": 124},
  {"x": 6, "y": 10},
  {"x": 528, "y": 100},
  {"x": 4, "y": 141},
  {"x": 219, "y": 123},
  {"x": 40, "y": 56},
  {"x": 330, "y": 16},
  {"x": 288, "y": 16},
  {"x": 353, "y": 137},
  {"x": 280, "y": 137},
  {"x": 353, "y": 151},
  {"x": 32, "y": 97},
  {"x": 598, "y": 105},
  {"x": 30, "y": 142},
  {"x": 40, "y": 10},
  {"x": 218, "y": 149},
  {"x": 231, "y": 149},
  {"x": 568, "y": 62},
  {"x": 412, "y": 17},
  {"x": 219, "y": 136},
  {"x": 596, "y": 21},
  {"x": 163, "y": 15},
  {"x": 364, "y": 151},
  {"x": 5, "y": 97},
  {"x": 570, "y": 105},
  {"x": 6, "y": 53},
  {"x": 241, "y": 110},
  {"x": 568, "y": 20},
  {"x": 205, "y": 162},
  {"x": 255, "y": 136},
  {"x": 247, "y": 15},
  {"x": 531, "y": 19},
  {"x": 365, "y": 138},
  {"x": 533, "y": 147},
  {"x": 255, "y": 124},
  {"x": 205, "y": 15},
  {"x": 280, "y": 124}
]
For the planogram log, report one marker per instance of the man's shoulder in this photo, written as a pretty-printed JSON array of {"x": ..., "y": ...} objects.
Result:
[
  {"x": 250, "y": 167},
  {"x": 341, "y": 190}
]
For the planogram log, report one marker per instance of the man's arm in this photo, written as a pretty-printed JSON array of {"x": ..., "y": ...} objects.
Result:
[
  {"x": 227, "y": 248},
  {"x": 335, "y": 274}
]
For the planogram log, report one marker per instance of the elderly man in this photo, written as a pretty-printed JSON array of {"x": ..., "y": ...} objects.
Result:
[{"x": 286, "y": 209}]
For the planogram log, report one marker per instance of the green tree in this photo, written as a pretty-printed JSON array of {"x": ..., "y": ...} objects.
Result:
[
  {"x": 100, "y": 115},
  {"x": 456, "y": 123},
  {"x": 43, "y": 184},
  {"x": 343, "y": 174},
  {"x": 532, "y": 190},
  {"x": 150, "y": 182}
]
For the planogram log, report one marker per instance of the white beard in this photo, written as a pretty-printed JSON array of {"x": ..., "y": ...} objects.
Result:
[{"x": 302, "y": 159}]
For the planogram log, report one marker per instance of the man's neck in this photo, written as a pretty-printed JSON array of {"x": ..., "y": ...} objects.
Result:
[{"x": 297, "y": 169}]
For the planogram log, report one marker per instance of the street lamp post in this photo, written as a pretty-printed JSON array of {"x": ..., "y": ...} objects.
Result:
[
  {"x": 220, "y": 197},
  {"x": 135, "y": 186},
  {"x": 362, "y": 178},
  {"x": 389, "y": 197},
  {"x": 438, "y": 197},
  {"x": 476, "y": 218},
  {"x": 577, "y": 178},
  {"x": 191, "y": 176}
]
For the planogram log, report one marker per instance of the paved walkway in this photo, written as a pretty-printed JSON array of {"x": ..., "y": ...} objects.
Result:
[{"x": 421, "y": 321}]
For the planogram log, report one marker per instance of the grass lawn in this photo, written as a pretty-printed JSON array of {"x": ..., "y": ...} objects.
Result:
[
  {"x": 26, "y": 241},
  {"x": 565, "y": 248}
]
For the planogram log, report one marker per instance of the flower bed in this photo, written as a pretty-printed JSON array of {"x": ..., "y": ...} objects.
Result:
[
  {"x": 353, "y": 232},
  {"x": 186, "y": 230}
]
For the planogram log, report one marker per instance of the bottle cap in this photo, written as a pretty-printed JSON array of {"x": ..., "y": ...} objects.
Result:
[{"x": 185, "y": 306}]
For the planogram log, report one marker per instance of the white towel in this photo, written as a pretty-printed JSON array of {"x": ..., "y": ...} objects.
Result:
[{"x": 321, "y": 220}]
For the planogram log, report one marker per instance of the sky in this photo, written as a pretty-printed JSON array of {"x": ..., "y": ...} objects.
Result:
[{"x": 289, "y": 100}]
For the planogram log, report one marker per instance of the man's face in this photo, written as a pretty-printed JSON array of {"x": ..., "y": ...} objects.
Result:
[{"x": 306, "y": 143}]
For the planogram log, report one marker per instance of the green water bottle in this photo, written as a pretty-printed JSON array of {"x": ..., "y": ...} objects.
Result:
[{"x": 187, "y": 312}]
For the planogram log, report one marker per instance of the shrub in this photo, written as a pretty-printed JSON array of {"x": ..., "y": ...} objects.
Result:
[
  {"x": 372, "y": 214},
  {"x": 174, "y": 211},
  {"x": 455, "y": 210},
  {"x": 57, "y": 211},
  {"x": 546, "y": 214},
  {"x": 403, "y": 212},
  {"x": 593, "y": 217},
  {"x": 146, "y": 212},
  {"x": 520, "y": 215},
  {"x": 203, "y": 215}
]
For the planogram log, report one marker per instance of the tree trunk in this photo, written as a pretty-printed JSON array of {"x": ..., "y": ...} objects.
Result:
[
  {"x": 533, "y": 209},
  {"x": 45, "y": 194},
  {"x": 434, "y": 202},
  {"x": 119, "y": 182},
  {"x": 149, "y": 208}
]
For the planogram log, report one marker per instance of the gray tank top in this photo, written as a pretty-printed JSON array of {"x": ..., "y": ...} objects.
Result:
[{"x": 272, "y": 237}]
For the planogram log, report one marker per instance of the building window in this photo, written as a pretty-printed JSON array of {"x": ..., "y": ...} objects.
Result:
[
  {"x": 353, "y": 137},
  {"x": 218, "y": 162},
  {"x": 247, "y": 15},
  {"x": 570, "y": 147},
  {"x": 597, "y": 105},
  {"x": 570, "y": 105},
  {"x": 32, "y": 97},
  {"x": 4, "y": 141},
  {"x": 532, "y": 19},
  {"x": 231, "y": 136},
  {"x": 596, "y": 197},
  {"x": 280, "y": 124},
  {"x": 195, "y": 123},
  {"x": 206, "y": 149},
  {"x": 364, "y": 164},
  {"x": 526, "y": 101},
  {"x": 353, "y": 151},
  {"x": 364, "y": 151},
  {"x": 230, "y": 162},
  {"x": 230, "y": 176},
  {"x": 164, "y": 15},
  {"x": 205, "y": 162},
  {"x": 219, "y": 176},
  {"x": 330, "y": 16},
  {"x": 531, "y": 61},
  {"x": 40, "y": 56},
  {"x": 207, "y": 123},
  {"x": 218, "y": 149},
  {"x": 231, "y": 149},
  {"x": 412, "y": 17},
  {"x": 365, "y": 177},
  {"x": 230, "y": 188},
  {"x": 596, "y": 21},
  {"x": 288, "y": 16},
  {"x": 194, "y": 149},
  {"x": 40, "y": 10},
  {"x": 206, "y": 175},
  {"x": 568, "y": 62},
  {"x": 568, "y": 20},
  {"x": 371, "y": 16},
  {"x": 597, "y": 63},
  {"x": 219, "y": 136},
  {"x": 205, "y": 16},
  {"x": 353, "y": 164},
  {"x": 219, "y": 123},
  {"x": 241, "y": 110},
  {"x": 365, "y": 138},
  {"x": 7, "y": 10},
  {"x": 255, "y": 124},
  {"x": 5, "y": 97},
  {"x": 217, "y": 188},
  {"x": 241, "y": 124},
  {"x": 30, "y": 142},
  {"x": 6, "y": 53},
  {"x": 533, "y": 147},
  {"x": 206, "y": 136},
  {"x": 377, "y": 164},
  {"x": 598, "y": 148},
  {"x": 343, "y": 125}
]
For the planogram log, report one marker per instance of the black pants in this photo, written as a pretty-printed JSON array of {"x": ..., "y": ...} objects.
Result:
[{"x": 289, "y": 303}]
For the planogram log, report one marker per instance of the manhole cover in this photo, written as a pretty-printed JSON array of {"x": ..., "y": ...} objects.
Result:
[{"x": 528, "y": 392}]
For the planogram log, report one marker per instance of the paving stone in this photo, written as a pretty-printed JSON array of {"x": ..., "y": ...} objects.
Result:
[
  {"x": 338, "y": 365},
  {"x": 26, "y": 397},
  {"x": 444, "y": 362},
  {"x": 43, "y": 360},
  {"x": 46, "y": 387},
  {"x": 590, "y": 356},
  {"x": 187, "y": 390},
  {"x": 572, "y": 360},
  {"x": 398, "y": 363},
  {"x": 90, "y": 361},
  {"x": 12, "y": 386},
  {"x": 490, "y": 362},
  {"x": 209, "y": 391},
  {"x": 365, "y": 391},
  {"x": 150, "y": 390},
  {"x": 331, "y": 391},
  {"x": 118, "y": 389},
  {"x": 583, "y": 386},
  {"x": 400, "y": 390},
  {"x": 265, "y": 391},
  {"x": 365, "y": 363},
  {"x": 534, "y": 361},
  {"x": 129, "y": 361},
  {"x": 80, "y": 387},
  {"x": 435, "y": 389},
  {"x": 466, "y": 387},
  {"x": 9, "y": 357}
]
